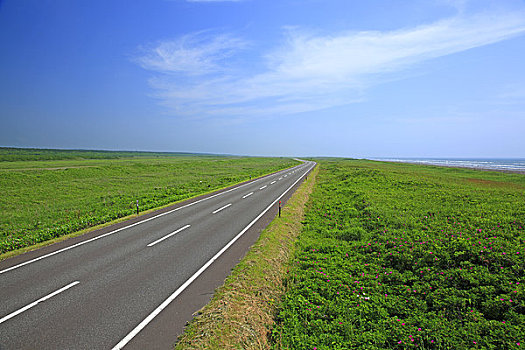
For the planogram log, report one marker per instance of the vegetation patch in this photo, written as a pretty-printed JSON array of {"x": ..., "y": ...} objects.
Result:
[
  {"x": 45, "y": 199},
  {"x": 11, "y": 154},
  {"x": 397, "y": 256},
  {"x": 241, "y": 313}
]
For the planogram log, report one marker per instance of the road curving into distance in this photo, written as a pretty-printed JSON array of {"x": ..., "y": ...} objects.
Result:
[{"x": 134, "y": 285}]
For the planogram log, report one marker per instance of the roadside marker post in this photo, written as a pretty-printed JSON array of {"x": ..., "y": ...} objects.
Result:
[
  {"x": 279, "y": 208},
  {"x": 137, "y": 207}
]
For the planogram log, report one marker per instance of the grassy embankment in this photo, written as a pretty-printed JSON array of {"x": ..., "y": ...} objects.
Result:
[
  {"x": 397, "y": 256},
  {"x": 70, "y": 191},
  {"x": 241, "y": 313}
]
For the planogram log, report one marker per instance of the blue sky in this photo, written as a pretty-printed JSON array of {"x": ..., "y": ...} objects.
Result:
[{"x": 382, "y": 78}]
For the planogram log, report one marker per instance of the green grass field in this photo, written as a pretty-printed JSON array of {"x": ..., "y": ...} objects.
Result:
[
  {"x": 69, "y": 191},
  {"x": 399, "y": 256}
]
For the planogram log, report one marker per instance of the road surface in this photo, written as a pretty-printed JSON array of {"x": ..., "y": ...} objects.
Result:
[{"x": 134, "y": 285}]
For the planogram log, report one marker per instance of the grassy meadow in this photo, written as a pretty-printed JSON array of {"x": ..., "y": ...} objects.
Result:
[
  {"x": 400, "y": 256},
  {"x": 68, "y": 191}
]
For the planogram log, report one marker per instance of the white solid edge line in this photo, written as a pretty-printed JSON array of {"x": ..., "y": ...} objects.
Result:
[
  {"x": 221, "y": 208},
  {"x": 27, "y": 307},
  {"x": 132, "y": 225},
  {"x": 248, "y": 195},
  {"x": 168, "y": 236},
  {"x": 172, "y": 297}
]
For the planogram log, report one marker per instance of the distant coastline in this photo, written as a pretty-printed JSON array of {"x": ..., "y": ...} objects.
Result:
[{"x": 509, "y": 165}]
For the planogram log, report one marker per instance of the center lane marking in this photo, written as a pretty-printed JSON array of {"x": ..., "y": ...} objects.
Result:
[
  {"x": 168, "y": 236},
  {"x": 271, "y": 183},
  {"x": 35, "y": 303},
  {"x": 262, "y": 188},
  {"x": 248, "y": 195},
  {"x": 218, "y": 210}
]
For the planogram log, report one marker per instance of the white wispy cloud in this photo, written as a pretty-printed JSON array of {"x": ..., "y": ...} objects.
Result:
[
  {"x": 194, "y": 54},
  {"x": 307, "y": 71}
]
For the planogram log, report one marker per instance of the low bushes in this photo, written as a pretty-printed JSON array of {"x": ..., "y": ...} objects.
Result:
[{"x": 395, "y": 257}]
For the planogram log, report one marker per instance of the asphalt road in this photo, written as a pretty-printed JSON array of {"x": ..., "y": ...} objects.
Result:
[{"x": 135, "y": 284}]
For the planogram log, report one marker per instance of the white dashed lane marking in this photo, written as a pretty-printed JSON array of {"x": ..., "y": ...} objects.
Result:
[
  {"x": 35, "y": 303},
  {"x": 168, "y": 236},
  {"x": 221, "y": 208}
]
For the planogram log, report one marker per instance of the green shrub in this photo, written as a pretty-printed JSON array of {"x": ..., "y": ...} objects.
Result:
[{"x": 396, "y": 256}]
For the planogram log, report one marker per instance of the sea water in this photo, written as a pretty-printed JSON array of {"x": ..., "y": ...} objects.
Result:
[{"x": 515, "y": 164}]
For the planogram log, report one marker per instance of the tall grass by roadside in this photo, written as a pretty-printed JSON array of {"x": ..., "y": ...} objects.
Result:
[{"x": 241, "y": 313}]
